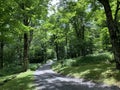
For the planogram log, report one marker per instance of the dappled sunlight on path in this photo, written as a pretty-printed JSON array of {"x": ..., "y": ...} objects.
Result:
[{"x": 46, "y": 79}]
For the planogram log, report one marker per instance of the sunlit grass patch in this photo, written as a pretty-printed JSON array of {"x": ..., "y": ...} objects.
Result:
[
  {"x": 17, "y": 80},
  {"x": 23, "y": 81}
]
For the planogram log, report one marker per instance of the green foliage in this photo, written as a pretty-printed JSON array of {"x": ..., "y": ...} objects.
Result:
[
  {"x": 106, "y": 39},
  {"x": 96, "y": 59},
  {"x": 76, "y": 28},
  {"x": 34, "y": 66},
  {"x": 67, "y": 62},
  {"x": 14, "y": 14},
  {"x": 11, "y": 69},
  {"x": 50, "y": 54},
  {"x": 92, "y": 59}
]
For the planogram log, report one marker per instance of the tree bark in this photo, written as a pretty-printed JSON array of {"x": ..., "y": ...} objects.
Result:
[
  {"x": 25, "y": 53},
  {"x": 1, "y": 54},
  {"x": 113, "y": 30},
  {"x": 26, "y": 45}
]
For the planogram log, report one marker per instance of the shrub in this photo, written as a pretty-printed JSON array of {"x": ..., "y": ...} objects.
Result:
[
  {"x": 33, "y": 67},
  {"x": 91, "y": 59}
]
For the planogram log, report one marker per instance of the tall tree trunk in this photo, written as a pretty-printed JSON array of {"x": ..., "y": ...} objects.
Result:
[
  {"x": 113, "y": 30},
  {"x": 26, "y": 41},
  {"x": 1, "y": 53},
  {"x": 26, "y": 44},
  {"x": 25, "y": 53}
]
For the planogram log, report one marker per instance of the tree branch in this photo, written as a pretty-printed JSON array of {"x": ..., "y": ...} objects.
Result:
[{"x": 116, "y": 12}]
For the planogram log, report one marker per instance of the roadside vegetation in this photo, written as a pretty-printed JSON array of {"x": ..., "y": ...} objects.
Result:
[
  {"x": 97, "y": 68},
  {"x": 14, "y": 79}
]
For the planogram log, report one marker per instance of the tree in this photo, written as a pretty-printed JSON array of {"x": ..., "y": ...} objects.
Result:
[
  {"x": 1, "y": 53},
  {"x": 17, "y": 22},
  {"x": 5, "y": 20},
  {"x": 113, "y": 29},
  {"x": 29, "y": 13}
]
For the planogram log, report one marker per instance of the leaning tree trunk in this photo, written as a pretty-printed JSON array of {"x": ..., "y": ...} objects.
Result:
[
  {"x": 1, "y": 54},
  {"x": 113, "y": 30}
]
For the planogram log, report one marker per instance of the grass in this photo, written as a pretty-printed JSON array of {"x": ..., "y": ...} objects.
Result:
[
  {"x": 96, "y": 68},
  {"x": 23, "y": 81},
  {"x": 17, "y": 80}
]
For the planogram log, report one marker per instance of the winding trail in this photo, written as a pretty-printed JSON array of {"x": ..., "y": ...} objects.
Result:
[{"x": 46, "y": 79}]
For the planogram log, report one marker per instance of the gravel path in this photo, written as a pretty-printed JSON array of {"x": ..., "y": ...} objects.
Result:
[{"x": 46, "y": 79}]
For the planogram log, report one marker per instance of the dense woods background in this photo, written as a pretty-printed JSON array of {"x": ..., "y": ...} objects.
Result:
[{"x": 33, "y": 31}]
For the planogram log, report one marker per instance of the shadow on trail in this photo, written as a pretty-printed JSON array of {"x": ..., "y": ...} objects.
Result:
[{"x": 46, "y": 79}]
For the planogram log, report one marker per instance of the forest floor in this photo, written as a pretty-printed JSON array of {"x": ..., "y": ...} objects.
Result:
[
  {"x": 47, "y": 79},
  {"x": 14, "y": 79},
  {"x": 22, "y": 81},
  {"x": 98, "y": 69}
]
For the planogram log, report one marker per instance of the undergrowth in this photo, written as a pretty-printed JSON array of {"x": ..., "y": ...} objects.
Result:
[
  {"x": 98, "y": 68},
  {"x": 13, "y": 77}
]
